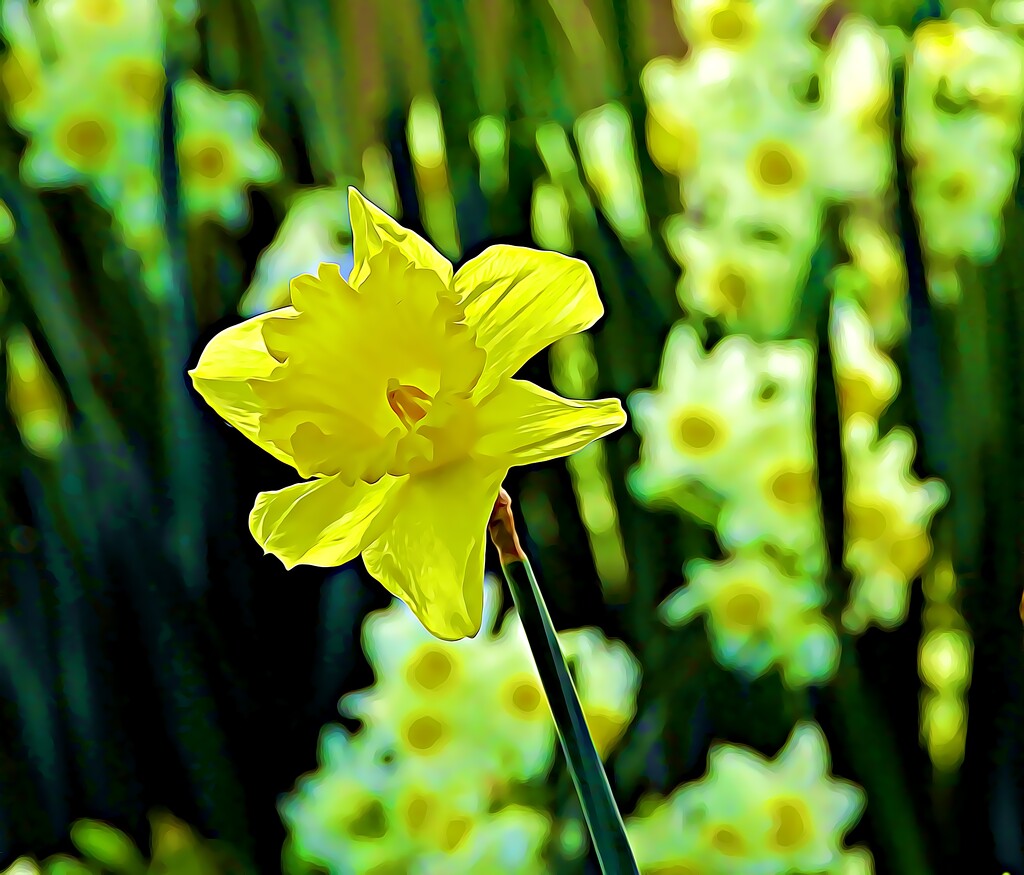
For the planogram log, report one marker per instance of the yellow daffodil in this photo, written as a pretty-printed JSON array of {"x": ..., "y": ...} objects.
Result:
[
  {"x": 875, "y": 278},
  {"x": 23, "y": 866},
  {"x": 867, "y": 380},
  {"x": 393, "y": 393},
  {"x": 755, "y": 815}
]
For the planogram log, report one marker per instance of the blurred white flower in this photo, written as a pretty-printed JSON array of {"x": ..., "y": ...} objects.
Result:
[{"x": 309, "y": 236}]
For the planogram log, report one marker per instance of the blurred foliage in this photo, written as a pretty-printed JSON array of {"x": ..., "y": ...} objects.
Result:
[{"x": 804, "y": 218}]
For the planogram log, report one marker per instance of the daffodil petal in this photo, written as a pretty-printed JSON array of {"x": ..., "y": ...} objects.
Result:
[
  {"x": 432, "y": 554},
  {"x": 521, "y": 423},
  {"x": 373, "y": 230},
  {"x": 323, "y": 522},
  {"x": 520, "y": 300},
  {"x": 225, "y": 372}
]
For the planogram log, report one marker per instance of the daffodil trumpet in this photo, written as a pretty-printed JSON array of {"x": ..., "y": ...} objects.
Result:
[{"x": 607, "y": 832}]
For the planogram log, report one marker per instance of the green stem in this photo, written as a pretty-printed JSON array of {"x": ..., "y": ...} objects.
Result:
[{"x": 607, "y": 831}]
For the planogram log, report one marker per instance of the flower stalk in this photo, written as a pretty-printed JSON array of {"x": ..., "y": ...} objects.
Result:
[{"x": 607, "y": 831}]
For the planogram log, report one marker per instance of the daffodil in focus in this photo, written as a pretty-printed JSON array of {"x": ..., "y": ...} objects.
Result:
[{"x": 392, "y": 394}]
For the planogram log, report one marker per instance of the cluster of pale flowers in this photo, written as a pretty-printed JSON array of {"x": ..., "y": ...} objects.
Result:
[
  {"x": 964, "y": 99},
  {"x": 750, "y": 815},
  {"x": 726, "y": 437},
  {"x": 764, "y": 128},
  {"x": 105, "y": 135},
  {"x": 449, "y": 731}
]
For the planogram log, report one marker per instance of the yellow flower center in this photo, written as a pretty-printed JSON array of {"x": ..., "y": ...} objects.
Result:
[
  {"x": 696, "y": 432},
  {"x": 867, "y": 522},
  {"x": 142, "y": 81},
  {"x": 910, "y": 554},
  {"x": 371, "y": 822},
  {"x": 776, "y": 166},
  {"x": 87, "y": 141},
  {"x": 207, "y": 162},
  {"x": 525, "y": 699},
  {"x": 744, "y": 610},
  {"x": 857, "y": 396},
  {"x": 426, "y": 733},
  {"x": 793, "y": 488},
  {"x": 954, "y": 187},
  {"x": 791, "y": 819},
  {"x": 729, "y": 842},
  {"x": 454, "y": 832},
  {"x": 417, "y": 811},
  {"x": 731, "y": 23},
  {"x": 410, "y": 403},
  {"x": 605, "y": 728},
  {"x": 733, "y": 289},
  {"x": 18, "y": 83},
  {"x": 431, "y": 670}
]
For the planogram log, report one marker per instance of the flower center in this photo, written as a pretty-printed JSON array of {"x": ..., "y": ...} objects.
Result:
[
  {"x": 410, "y": 403},
  {"x": 744, "y": 610},
  {"x": 790, "y": 824}
]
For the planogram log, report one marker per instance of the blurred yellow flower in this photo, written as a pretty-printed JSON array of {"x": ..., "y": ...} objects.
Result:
[
  {"x": 888, "y": 513},
  {"x": 358, "y": 814},
  {"x": 33, "y": 396},
  {"x": 418, "y": 705},
  {"x": 23, "y": 866},
  {"x": 964, "y": 99},
  {"x": 867, "y": 380},
  {"x": 309, "y": 236},
  {"x": 875, "y": 278},
  {"x": 726, "y": 436},
  {"x": 220, "y": 151},
  {"x": 758, "y": 617},
  {"x": 754, "y": 815},
  {"x": 607, "y": 678},
  {"x": 394, "y": 392}
]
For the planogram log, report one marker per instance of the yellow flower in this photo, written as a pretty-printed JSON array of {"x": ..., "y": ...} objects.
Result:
[
  {"x": 888, "y": 514},
  {"x": 866, "y": 379},
  {"x": 394, "y": 393}
]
